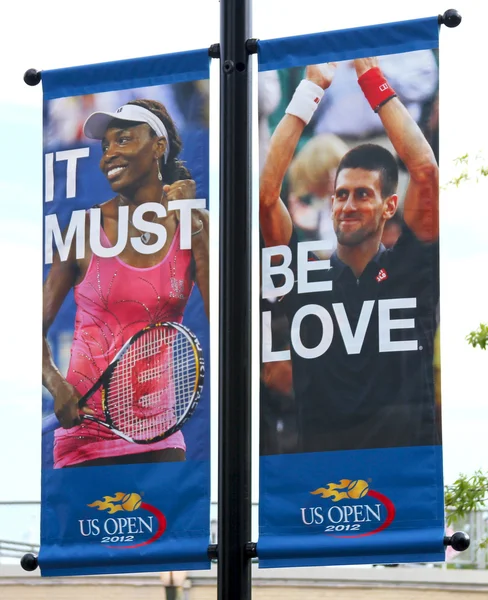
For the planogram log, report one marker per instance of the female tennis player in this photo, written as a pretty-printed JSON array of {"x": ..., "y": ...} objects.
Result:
[{"x": 117, "y": 297}]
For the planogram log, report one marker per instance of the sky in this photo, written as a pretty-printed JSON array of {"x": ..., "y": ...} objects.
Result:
[{"x": 48, "y": 36}]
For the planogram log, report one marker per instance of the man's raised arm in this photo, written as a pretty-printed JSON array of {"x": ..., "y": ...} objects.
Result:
[
  {"x": 421, "y": 208},
  {"x": 275, "y": 221}
]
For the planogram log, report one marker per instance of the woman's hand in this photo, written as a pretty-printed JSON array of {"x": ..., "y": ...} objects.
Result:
[
  {"x": 183, "y": 189},
  {"x": 66, "y": 408}
]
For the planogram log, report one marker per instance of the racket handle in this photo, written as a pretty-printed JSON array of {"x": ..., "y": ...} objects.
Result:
[{"x": 50, "y": 423}]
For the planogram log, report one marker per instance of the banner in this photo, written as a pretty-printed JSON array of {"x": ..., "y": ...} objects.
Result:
[
  {"x": 126, "y": 432},
  {"x": 351, "y": 463}
]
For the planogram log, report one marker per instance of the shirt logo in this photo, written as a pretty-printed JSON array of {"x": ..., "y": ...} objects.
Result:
[{"x": 382, "y": 275}]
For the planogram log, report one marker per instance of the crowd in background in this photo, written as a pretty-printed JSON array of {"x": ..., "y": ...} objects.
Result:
[{"x": 343, "y": 120}]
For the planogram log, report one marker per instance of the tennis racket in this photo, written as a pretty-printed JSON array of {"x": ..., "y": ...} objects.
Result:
[{"x": 151, "y": 387}]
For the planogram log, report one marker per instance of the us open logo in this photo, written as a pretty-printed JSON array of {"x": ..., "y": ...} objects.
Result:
[
  {"x": 126, "y": 530},
  {"x": 352, "y": 509}
]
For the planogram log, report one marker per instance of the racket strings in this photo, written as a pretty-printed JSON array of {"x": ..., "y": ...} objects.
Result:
[{"x": 153, "y": 384}]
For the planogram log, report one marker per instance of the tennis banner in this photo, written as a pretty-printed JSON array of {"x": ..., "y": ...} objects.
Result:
[
  {"x": 350, "y": 435},
  {"x": 126, "y": 426}
]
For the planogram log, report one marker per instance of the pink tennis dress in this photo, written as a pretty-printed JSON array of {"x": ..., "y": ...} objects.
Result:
[{"x": 114, "y": 301}]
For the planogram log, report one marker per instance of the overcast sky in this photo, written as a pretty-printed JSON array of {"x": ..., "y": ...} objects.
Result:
[{"x": 49, "y": 35}]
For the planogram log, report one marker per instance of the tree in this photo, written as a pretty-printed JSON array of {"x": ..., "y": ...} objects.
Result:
[
  {"x": 469, "y": 493},
  {"x": 466, "y": 495},
  {"x": 472, "y": 169}
]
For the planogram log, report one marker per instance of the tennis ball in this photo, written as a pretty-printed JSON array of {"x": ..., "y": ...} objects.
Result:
[
  {"x": 131, "y": 502},
  {"x": 357, "y": 489}
]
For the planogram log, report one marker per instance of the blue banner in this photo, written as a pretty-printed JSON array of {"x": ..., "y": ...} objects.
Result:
[
  {"x": 350, "y": 433},
  {"x": 126, "y": 428}
]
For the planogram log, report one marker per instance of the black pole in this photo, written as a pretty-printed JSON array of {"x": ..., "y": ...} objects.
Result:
[{"x": 234, "y": 565}]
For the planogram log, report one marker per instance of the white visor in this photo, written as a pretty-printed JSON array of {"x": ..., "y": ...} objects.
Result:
[{"x": 96, "y": 124}]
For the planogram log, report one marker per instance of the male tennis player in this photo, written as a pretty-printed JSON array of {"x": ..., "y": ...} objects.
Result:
[{"x": 362, "y": 347}]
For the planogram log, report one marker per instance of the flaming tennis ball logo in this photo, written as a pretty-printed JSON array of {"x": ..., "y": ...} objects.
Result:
[
  {"x": 357, "y": 489},
  {"x": 131, "y": 502},
  {"x": 346, "y": 488},
  {"x": 119, "y": 502}
]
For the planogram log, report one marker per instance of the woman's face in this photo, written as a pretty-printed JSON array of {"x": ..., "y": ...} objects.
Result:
[{"x": 129, "y": 155}]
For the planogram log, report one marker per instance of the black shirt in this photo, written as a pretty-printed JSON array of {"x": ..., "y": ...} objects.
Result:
[{"x": 373, "y": 386}]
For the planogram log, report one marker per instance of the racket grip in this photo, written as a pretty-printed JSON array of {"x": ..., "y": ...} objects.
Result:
[{"x": 50, "y": 423}]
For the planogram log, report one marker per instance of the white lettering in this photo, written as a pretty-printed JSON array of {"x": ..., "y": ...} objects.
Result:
[
  {"x": 386, "y": 324},
  {"x": 71, "y": 156},
  {"x": 268, "y": 354},
  {"x": 148, "y": 525},
  {"x": 49, "y": 177},
  {"x": 370, "y": 511},
  {"x": 347, "y": 511},
  {"x": 316, "y": 516},
  {"x": 95, "y": 231},
  {"x": 304, "y": 266},
  {"x": 93, "y": 528},
  {"x": 268, "y": 270},
  {"x": 185, "y": 207},
  {"x": 53, "y": 236},
  {"x": 358, "y": 513},
  {"x": 327, "y": 331},
  {"x": 113, "y": 523},
  {"x": 304, "y": 520},
  {"x": 353, "y": 342},
  {"x": 339, "y": 514},
  {"x": 132, "y": 526},
  {"x": 156, "y": 228},
  {"x": 81, "y": 522}
]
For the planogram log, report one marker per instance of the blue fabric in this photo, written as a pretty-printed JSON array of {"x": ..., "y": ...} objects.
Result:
[
  {"x": 79, "y": 539},
  {"x": 344, "y": 44},
  {"x": 155, "y": 516},
  {"x": 301, "y": 528},
  {"x": 363, "y": 506},
  {"x": 123, "y": 74}
]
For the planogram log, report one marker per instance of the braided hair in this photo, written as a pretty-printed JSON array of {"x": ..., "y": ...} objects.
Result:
[{"x": 173, "y": 169}]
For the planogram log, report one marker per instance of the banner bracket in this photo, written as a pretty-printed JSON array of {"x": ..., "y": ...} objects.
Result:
[
  {"x": 251, "y": 48},
  {"x": 214, "y": 51},
  {"x": 29, "y": 562},
  {"x": 451, "y": 18},
  {"x": 458, "y": 541},
  {"x": 32, "y": 77}
]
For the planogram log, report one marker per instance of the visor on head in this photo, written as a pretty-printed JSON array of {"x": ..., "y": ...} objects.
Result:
[{"x": 96, "y": 124}]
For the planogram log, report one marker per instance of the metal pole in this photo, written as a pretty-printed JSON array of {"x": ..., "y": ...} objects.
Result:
[{"x": 234, "y": 529}]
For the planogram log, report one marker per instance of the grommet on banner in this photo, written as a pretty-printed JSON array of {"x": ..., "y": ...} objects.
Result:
[
  {"x": 29, "y": 562},
  {"x": 451, "y": 18},
  {"x": 458, "y": 541},
  {"x": 32, "y": 77}
]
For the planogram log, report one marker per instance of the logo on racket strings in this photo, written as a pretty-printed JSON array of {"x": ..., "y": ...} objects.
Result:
[
  {"x": 349, "y": 508},
  {"x": 129, "y": 522}
]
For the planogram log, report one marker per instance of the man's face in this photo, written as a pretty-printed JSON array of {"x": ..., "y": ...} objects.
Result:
[{"x": 358, "y": 210}]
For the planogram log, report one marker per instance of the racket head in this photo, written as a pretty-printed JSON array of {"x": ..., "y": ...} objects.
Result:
[{"x": 155, "y": 383}]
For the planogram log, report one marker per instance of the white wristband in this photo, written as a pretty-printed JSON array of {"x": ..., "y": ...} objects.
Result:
[{"x": 305, "y": 100}]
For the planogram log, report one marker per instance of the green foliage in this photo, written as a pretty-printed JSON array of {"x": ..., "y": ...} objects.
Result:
[
  {"x": 469, "y": 169},
  {"x": 472, "y": 168},
  {"x": 467, "y": 494},
  {"x": 479, "y": 337}
]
